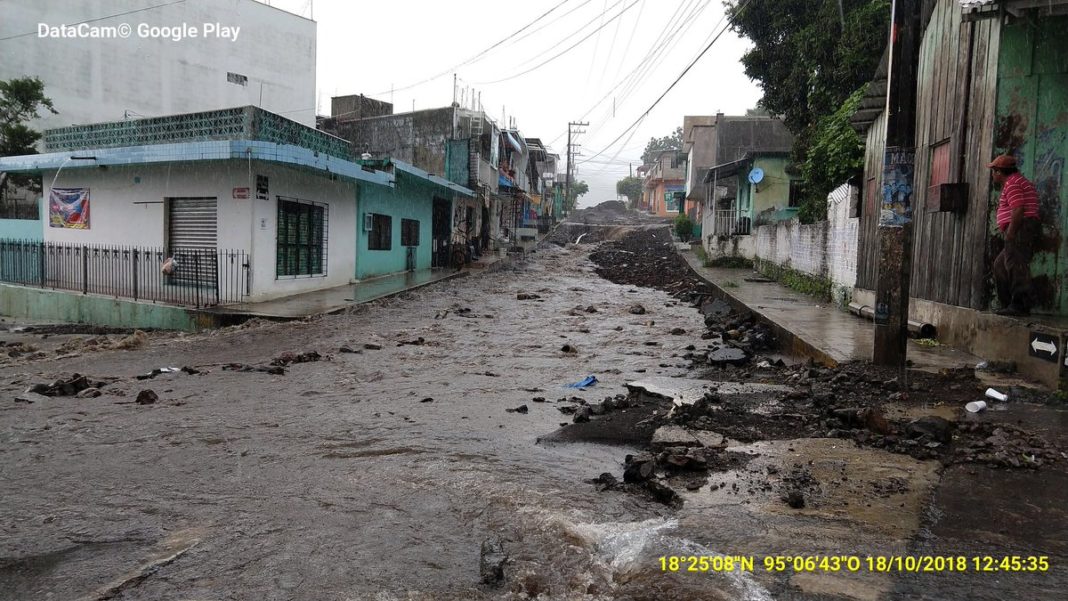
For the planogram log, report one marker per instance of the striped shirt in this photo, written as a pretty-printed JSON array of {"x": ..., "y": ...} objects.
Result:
[{"x": 1016, "y": 192}]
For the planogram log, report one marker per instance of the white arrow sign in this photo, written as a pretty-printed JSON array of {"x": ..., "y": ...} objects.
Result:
[{"x": 1047, "y": 347}]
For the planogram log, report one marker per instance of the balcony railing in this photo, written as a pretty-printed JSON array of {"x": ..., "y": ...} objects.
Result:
[
  {"x": 728, "y": 222},
  {"x": 198, "y": 277}
]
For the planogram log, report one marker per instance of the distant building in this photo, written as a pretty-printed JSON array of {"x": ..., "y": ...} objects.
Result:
[
  {"x": 270, "y": 64},
  {"x": 298, "y": 209},
  {"x": 664, "y": 184}
]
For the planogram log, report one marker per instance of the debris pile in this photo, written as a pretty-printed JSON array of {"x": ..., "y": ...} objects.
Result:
[
  {"x": 69, "y": 386},
  {"x": 648, "y": 258}
]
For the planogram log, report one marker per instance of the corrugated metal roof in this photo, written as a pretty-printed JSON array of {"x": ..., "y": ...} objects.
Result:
[{"x": 976, "y": 3}]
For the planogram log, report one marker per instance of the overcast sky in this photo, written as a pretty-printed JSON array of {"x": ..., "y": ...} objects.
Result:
[{"x": 371, "y": 47}]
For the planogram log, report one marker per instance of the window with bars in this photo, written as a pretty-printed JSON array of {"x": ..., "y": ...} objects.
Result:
[
  {"x": 381, "y": 235},
  {"x": 302, "y": 238},
  {"x": 797, "y": 192},
  {"x": 409, "y": 232}
]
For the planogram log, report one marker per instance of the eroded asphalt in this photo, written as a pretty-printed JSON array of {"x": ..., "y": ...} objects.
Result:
[{"x": 378, "y": 474}]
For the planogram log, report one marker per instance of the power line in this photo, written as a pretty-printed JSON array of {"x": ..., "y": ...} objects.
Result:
[
  {"x": 653, "y": 52},
  {"x": 597, "y": 44},
  {"x": 626, "y": 49},
  {"x": 741, "y": 8},
  {"x": 480, "y": 54},
  {"x": 537, "y": 29},
  {"x": 581, "y": 29},
  {"x": 660, "y": 53},
  {"x": 564, "y": 51}
]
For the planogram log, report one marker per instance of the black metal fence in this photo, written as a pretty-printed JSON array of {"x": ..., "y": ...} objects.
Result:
[{"x": 194, "y": 277}]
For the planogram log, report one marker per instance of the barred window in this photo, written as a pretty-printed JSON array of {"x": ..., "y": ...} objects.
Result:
[
  {"x": 302, "y": 239},
  {"x": 797, "y": 192},
  {"x": 409, "y": 232},
  {"x": 381, "y": 237}
]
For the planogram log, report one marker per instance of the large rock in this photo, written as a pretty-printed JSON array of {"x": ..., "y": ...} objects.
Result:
[
  {"x": 147, "y": 397},
  {"x": 930, "y": 426},
  {"x": 639, "y": 468},
  {"x": 677, "y": 436},
  {"x": 491, "y": 561}
]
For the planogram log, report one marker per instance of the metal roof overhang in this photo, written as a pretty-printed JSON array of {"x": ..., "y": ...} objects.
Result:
[
  {"x": 218, "y": 150},
  {"x": 726, "y": 169},
  {"x": 435, "y": 179}
]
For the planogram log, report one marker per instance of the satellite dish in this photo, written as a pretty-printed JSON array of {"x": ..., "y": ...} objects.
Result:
[{"x": 756, "y": 175}]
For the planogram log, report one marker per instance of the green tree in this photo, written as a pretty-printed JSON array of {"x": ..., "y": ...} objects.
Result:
[
  {"x": 657, "y": 145},
  {"x": 683, "y": 227},
  {"x": 808, "y": 58},
  {"x": 21, "y": 100},
  {"x": 577, "y": 189},
  {"x": 631, "y": 187},
  {"x": 836, "y": 153}
]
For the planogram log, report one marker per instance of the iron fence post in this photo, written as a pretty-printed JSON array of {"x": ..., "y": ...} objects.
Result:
[
  {"x": 41, "y": 262},
  {"x": 85, "y": 271},
  {"x": 196, "y": 278},
  {"x": 135, "y": 254},
  {"x": 216, "y": 278}
]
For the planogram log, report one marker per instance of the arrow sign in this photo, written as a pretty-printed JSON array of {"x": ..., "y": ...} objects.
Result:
[{"x": 1043, "y": 346}]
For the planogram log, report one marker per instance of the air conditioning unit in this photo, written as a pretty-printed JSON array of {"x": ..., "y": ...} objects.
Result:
[{"x": 368, "y": 221}]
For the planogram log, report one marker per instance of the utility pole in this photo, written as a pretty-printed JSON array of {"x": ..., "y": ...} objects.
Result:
[
  {"x": 899, "y": 160},
  {"x": 571, "y": 129}
]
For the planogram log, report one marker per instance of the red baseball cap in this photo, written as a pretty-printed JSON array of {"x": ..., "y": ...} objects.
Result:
[{"x": 1005, "y": 161}]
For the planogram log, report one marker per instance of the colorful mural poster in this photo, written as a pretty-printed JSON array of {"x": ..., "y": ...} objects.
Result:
[
  {"x": 898, "y": 168},
  {"x": 672, "y": 196},
  {"x": 69, "y": 208}
]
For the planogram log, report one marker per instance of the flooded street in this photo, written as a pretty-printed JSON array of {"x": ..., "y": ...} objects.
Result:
[{"x": 378, "y": 474}]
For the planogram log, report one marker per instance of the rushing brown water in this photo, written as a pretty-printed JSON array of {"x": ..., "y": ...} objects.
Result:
[{"x": 340, "y": 480}]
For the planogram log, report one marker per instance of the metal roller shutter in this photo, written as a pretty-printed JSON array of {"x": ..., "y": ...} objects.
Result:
[
  {"x": 193, "y": 223},
  {"x": 192, "y": 236}
]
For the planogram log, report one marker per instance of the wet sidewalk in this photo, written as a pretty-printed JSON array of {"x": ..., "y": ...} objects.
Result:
[
  {"x": 813, "y": 328},
  {"x": 333, "y": 300}
]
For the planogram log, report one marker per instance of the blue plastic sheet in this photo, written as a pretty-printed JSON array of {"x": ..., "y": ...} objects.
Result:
[{"x": 584, "y": 382}]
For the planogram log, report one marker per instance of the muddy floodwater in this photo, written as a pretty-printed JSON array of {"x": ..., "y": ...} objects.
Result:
[{"x": 377, "y": 474}]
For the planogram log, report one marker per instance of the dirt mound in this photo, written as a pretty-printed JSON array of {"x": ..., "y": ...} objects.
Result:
[
  {"x": 648, "y": 258},
  {"x": 611, "y": 212}
]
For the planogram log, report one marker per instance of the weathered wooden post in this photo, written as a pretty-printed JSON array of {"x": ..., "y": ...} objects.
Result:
[{"x": 895, "y": 215}]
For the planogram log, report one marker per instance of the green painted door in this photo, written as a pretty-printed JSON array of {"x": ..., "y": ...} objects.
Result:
[{"x": 1032, "y": 124}]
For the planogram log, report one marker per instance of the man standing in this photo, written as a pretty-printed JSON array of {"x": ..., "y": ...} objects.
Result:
[{"x": 1019, "y": 224}]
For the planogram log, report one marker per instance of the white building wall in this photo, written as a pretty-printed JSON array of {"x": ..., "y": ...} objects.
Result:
[
  {"x": 827, "y": 249},
  {"x": 842, "y": 241},
  {"x": 127, "y": 206},
  {"x": 95, "y": 80}
]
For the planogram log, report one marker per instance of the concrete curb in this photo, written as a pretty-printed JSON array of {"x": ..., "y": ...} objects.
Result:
[
  {"x": 229, "y": 318},
  {"x": 789, "y": 342}
]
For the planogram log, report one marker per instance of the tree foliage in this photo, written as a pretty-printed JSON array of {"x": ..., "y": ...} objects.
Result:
[
  {"x": 21, "y": 100},
  {"x": 578, "y": 188},
  {"x": 683, "y": 227},
  {"x": 808, "y": 58},
  {"x": 631, "y": 188},
  {"x": 657, "y": 145},
  {"x": 836, "y": 153}
]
